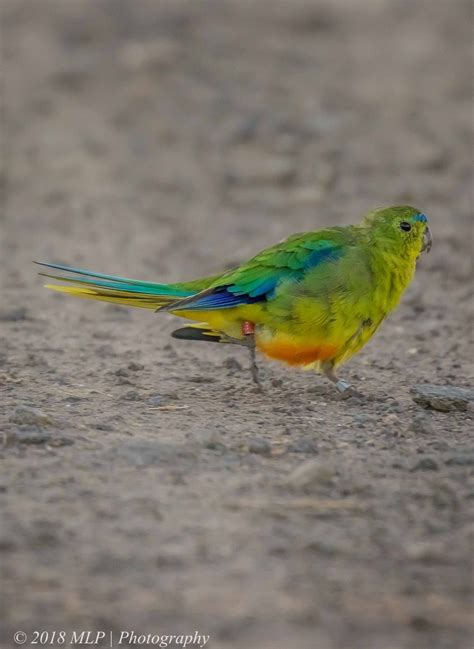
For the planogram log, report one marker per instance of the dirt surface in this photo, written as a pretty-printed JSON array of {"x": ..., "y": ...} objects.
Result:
[{"x": 145, "y": 484}]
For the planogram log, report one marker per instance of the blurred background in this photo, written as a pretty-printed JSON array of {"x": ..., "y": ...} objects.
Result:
[{"x": 164, "y": 140}]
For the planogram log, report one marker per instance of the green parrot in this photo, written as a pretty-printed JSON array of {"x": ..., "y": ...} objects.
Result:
[{"x": 313, "y": 300}]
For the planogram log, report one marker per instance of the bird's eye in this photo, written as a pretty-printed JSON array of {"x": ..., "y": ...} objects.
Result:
[{"x": 405, "y": 226}]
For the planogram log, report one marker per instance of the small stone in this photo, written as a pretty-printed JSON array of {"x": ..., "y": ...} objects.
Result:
[
  {"x": 201, "y": 379},
  {"x": 132, "y": 395},
  {"x": 122, "y": 380},
  {"x": 13, "y": 315},
  {"x": 233, "y": 364},
  {"x": 325, "y": 547},
  {"x": 122, "y": 371},
  {"x": 59, "y": 440},
  {"x": 391, "y": 418},
  {"x": 421, "y": 423},
  {"x": 135, "y": 367},
  {"x": 29, "y": 416},
  {"x": 104, "y": 426},
  {"x": 310, "y": 474},
  {"x": 259, "y": 446},
  {"x": 395, "y": 407},
  {"x": 212, "y": 439},
  {"x": 426, "y": 464},
  {"x": 460, "y": 460},
  {"x": 72, "y": 398},
  {"x": 157, "y": 400},
  {"x": 33, "y": 436},
  {"x": 361, "y": 420},
  {"x": 420, "y": 622},
  {"x": 396, "y": 464},
  {"x": 302, "y": 446},
  {"x": 444, "y": 398},
  {"x": 104, "y": 351},
  {"x": 440, "y": 445}
]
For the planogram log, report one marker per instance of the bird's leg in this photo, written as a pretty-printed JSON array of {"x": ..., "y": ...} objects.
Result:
[
  {"x": 254, "y": 366},
  {"x": 248, "y": 330},
  {"x": 344, "y": 388}
]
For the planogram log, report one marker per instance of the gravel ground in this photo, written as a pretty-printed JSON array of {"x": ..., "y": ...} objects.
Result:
[{"x": 145, "y": 484}]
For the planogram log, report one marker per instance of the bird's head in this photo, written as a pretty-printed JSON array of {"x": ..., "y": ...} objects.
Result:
[{"x": 403, "y": 228}]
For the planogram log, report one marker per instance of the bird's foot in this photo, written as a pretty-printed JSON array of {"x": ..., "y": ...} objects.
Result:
[
  {"x": 343, "y": 387},
  {"x": 255, "y": 374},
  {"x": 346, "y": 390}
]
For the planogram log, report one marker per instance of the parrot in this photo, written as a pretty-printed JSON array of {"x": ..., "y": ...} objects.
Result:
[{"x": 312, "y": 301}]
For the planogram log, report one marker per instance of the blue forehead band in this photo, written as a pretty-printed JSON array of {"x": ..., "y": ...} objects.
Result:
[{"x": 421, "y": 217}]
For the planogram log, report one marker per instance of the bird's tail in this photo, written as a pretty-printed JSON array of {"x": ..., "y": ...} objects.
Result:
[{"x": 121, "y": 290}]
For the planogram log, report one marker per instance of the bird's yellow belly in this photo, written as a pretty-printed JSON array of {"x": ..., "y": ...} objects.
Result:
[{"x": 307, "y": 347}]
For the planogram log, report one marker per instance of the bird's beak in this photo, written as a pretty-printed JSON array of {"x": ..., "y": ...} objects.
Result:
[{"x": 427, "y": 240}]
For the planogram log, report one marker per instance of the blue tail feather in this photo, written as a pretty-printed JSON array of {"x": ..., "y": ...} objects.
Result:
[{"x": 114, "y": 282}]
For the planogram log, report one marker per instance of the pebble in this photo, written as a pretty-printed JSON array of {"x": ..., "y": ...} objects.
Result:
[
  {"x": 233, "y": 364},
  {"x": 421, "y": 423},
  {"x": 440, "y": 445},
  {"x": 259, "y": 446},
  {"x": 325, "y": 547},
  {"x": 212, "y": 439},
  {"x": 460, "y": 460},
  {"x": 395, "y": 407},
  {"x": 29, "y": 416},
  {"x": 105, "y": 426},
  {"x": 13, "y": 315},
  {"x": 60, "y": 440},
  {"x": 426, "y": 464},
  {"x": 302, "y": 446},
  {"x": 135, "y": 367},
  {"x": 30, "y": 436},
  {"x": 201, "y": 379},
  {"x": 444, "y": 398},
  {"x": 37, "y": 436},
  {"x": 132, "y": 395},
  {"x": 362, "y": 420},
  {"x": 310, "y": 474},
  {"x": 158, "y": 399},
  {"x": 392, "y": 418}
]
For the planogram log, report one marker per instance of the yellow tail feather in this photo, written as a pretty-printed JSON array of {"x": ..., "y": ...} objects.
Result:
[{"x": 139, "y": 300}]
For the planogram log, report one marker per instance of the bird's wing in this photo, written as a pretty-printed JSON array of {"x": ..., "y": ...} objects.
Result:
[{"x": 258, "y": 279}]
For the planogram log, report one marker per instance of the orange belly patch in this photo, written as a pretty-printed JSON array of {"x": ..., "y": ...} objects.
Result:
[{"x": 294, "y": 353}]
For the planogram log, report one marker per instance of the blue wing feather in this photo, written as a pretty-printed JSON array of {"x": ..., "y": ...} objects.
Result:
[{"x": 242, "y": 287}]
